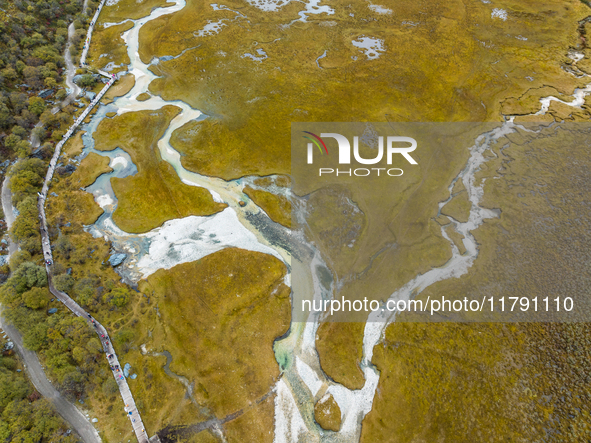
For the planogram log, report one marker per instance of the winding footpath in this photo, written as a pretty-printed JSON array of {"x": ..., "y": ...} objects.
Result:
[
  {"x": 70, "y": 69},
  {"x": 67, "y": 410},
  {"x": 110, "y": 354},
  {"x": 89, "y": 33},
  {"x": 69, "y": 80},
  {"x": 8, "y": 213},
  {"x": 70, "y": 413}
]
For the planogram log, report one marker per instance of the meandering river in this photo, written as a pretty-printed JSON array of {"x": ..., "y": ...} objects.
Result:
[{"x": 191, "y": 238}]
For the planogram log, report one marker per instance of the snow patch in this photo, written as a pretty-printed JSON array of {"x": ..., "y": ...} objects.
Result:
[
  {"x": 262, "y": 55},
  {"x": 576, "y": 56},
  {"x": 103, "y": 200},
  {"x": 313, "y": 7},
  {"x": 211, "y": 28}
]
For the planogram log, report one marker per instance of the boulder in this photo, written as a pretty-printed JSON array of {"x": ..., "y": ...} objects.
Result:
[
  {"x": 68, "y": 169},
  {"x": 117, "y": 259}
]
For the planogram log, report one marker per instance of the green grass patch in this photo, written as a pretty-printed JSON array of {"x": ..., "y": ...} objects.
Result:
[
  {"x": 90, "y": 168},
  {"x": 108, "y": 42},
  {"x": 218, "y": 318},
  {"x": 121, "y": 87},
  {"x": 123, "y": 10},
  {"x": 444, "y": 65},
  {"x": 155, "y": 194},
  {"x": 277, "y": 207}
]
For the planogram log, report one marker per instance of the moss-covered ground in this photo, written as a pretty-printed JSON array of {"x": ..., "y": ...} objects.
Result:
[
  {"x": 107, "y": 46},
  {"x": 453, "y": 66},
  {"x": 121, "y": 87},
  {"x": 327, "y": 413},
  {"x": 123, "y": 10},
  {"x": 515, "y": 378},
  {"x": 458, "y": 207},
  {"x": 481, "y": 382},
  {"x": 138, "y": 133},
  {"x": 73, "y": 147},
  {"x": 441, "y": 62},
  {"x": 444, "y": 62},
  {"x": 89, "y": 169},
  {"x": 72, "y": 204},
  {"x": 450, "y": 382},
  {"x": 218, "y": 318},
  {"x": 333, "y": 359},
  {"x": 277, "y": 207},
  {"x": 339, "y": 346}
]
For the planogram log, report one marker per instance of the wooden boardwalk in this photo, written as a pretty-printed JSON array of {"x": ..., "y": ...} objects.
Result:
[
  {"x": 89, "y": 34},
  {"x": 128, "y": 401}
]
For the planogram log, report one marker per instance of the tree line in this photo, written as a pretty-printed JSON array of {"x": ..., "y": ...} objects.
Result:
[
  {"x": 24, "y": 415},
  {"x": 33, "y": 37}
]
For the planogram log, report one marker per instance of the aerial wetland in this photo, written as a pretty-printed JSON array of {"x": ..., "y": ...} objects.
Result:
[
  {"x": 183, "y": 73},
  {"x": 184, "y": 216}
]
